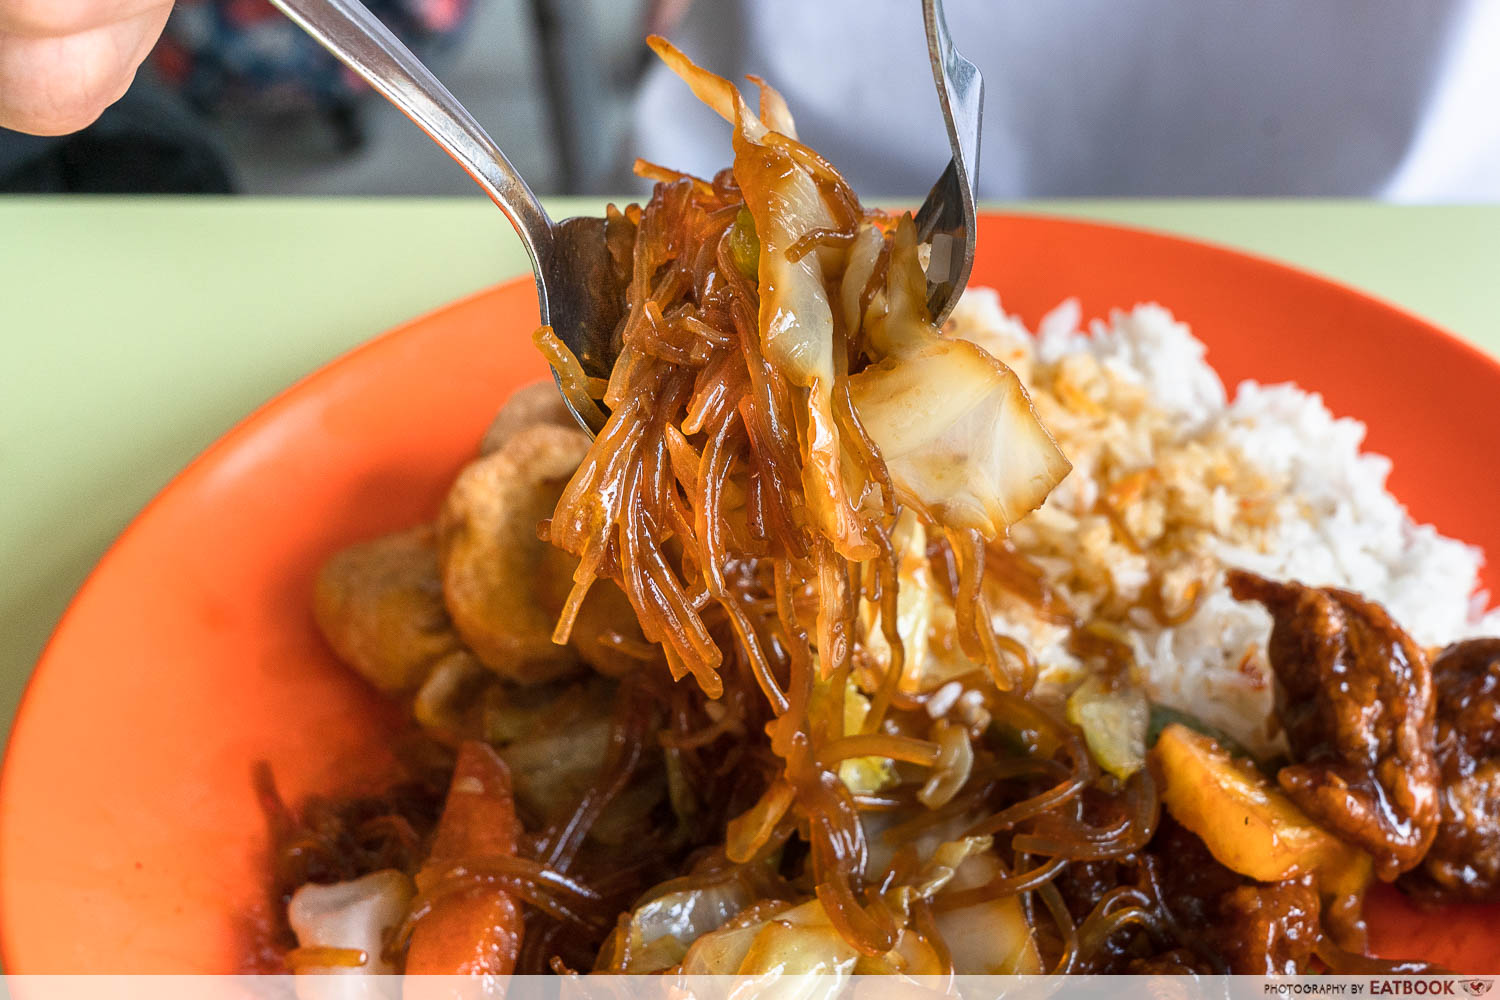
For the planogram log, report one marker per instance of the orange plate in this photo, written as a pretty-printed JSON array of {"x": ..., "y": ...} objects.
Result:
[{"x": 129, "y": 837}]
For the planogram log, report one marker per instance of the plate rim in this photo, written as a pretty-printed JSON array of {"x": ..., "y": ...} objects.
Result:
[{"x": 231, "y": 438}]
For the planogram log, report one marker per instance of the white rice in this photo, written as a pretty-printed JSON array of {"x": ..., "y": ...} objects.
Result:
[{"x": 1269, "y": 481}]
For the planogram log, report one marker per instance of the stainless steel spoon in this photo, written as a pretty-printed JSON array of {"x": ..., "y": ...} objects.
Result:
[{"x": 577, "y": 290}]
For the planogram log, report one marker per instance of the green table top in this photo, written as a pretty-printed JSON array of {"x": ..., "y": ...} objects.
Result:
[{"x": 135, "y": 332}]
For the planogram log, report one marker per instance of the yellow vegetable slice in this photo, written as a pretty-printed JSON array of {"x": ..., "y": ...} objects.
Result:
[{"x": 1246, "y": 822}]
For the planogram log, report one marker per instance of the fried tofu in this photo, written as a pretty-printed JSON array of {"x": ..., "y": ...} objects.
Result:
[{"x": 380, "y": 606}]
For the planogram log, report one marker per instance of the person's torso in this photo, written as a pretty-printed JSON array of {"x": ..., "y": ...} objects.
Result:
[{"x": 1104, "y": 97}]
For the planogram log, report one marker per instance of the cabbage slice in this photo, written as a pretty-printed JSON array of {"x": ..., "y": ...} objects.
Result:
[
  {"x": 960, "y": 438},
  {"x": 990, "y": 938},
  {"x": 792, "y": 953},
  {"x": 955, "y": 426},
  {"x": 1114, "y": 720},
  {"x": 773, "y": 109},
  {"x": 356, "y": 915},
  {"x": 796, "y": 318},
  {"x": 660, "y": 931}
]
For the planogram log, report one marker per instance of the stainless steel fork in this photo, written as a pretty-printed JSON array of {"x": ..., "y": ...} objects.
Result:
[
  {"x": 577, "y": 290},
  {"x": 946, "y": 218}
]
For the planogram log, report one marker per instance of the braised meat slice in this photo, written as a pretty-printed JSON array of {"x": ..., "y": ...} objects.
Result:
[
  {"x": 1355, "y": 698},
  {"x": 1252, "y": 928},
  {"x": 1270, "y": 929},
  {"x": 1209, "y": 919},
  {"x": 1464, "y": 862}
]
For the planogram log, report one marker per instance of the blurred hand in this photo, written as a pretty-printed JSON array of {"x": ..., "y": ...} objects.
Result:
[{"x": 62, "y": 62}]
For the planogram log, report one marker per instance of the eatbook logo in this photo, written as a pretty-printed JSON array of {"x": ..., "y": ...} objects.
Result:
[{"x": 1478, "y": 987}]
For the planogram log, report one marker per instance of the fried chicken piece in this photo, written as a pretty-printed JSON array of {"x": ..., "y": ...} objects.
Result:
[
  {"x": 537, "y": 403},
  {"x": 1355, "y": 698},
  {"x": 1464, "y": 861},
  {"x": 380, "y": 606},
  {"x": 504, "y": 586}
]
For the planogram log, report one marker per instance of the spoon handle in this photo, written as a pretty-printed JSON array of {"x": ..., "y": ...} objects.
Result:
[{"x": 360, "y": 41}]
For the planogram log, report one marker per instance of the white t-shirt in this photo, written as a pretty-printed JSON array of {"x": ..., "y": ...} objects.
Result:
[{"x": 1395, "y": 99}]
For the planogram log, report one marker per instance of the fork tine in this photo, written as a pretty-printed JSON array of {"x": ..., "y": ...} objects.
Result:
[{"x": 946, "y": 218}]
